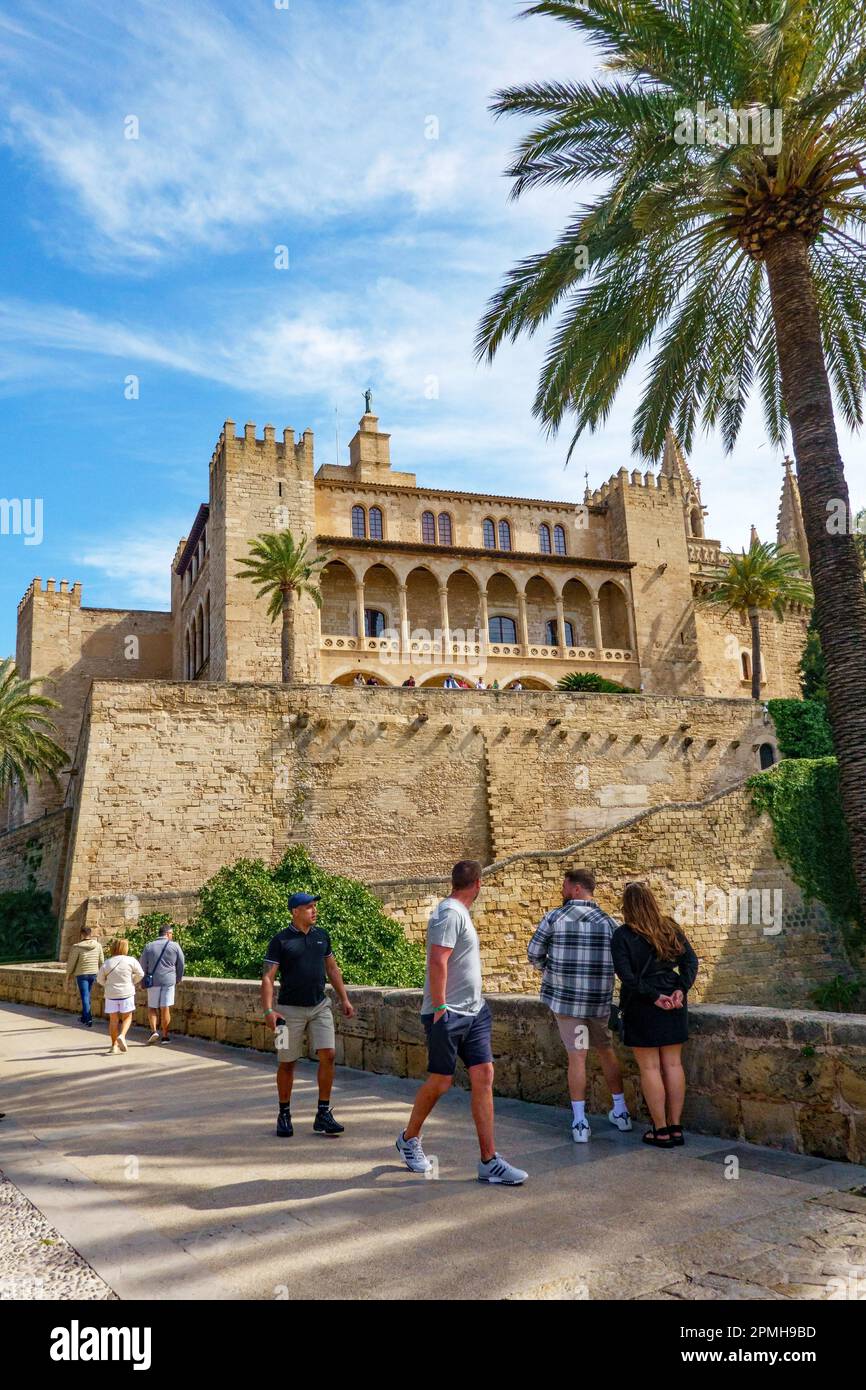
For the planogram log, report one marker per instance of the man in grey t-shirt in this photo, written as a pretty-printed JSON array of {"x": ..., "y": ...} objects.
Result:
[{"x": 458, "y": 1024}]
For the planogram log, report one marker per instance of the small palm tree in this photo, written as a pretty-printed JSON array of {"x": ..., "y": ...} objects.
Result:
[
  {"x": 26, "y": 746},
  {"x": 759, "y": 580},
  {"x": 284, "y": 569}
]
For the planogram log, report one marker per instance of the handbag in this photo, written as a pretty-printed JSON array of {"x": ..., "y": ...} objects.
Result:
[{"x": 148, "y": 979}]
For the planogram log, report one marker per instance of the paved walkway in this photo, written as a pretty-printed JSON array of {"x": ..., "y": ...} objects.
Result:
[{"x": 162, "y": 1171}]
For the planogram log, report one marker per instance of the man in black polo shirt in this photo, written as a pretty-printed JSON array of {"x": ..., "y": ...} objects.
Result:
[{"x": 302, "y": 954}]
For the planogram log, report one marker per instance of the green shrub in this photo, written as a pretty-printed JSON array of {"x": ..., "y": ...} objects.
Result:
[
  {"x": 28, "y": 927},
  {"x": 245, "y": 904},
  {"x": 801, "y": 797},
  {"x": 838, "y": 995},
  {"x": 588, "y": 680},
  {"x": 802, "y": 728}
]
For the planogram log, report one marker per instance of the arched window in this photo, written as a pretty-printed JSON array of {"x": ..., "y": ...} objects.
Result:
[
  {"x": 428, "y": 528},
  {"x": 553, "y": 636},
  {"x": 544, "y": 539},
  {"x": 444, "y": 528},
  {"x": 359, "y": 522},
  {"x": 489, "y": 535},
  {"x": 199, "y": 640},
  {"x": 767, "y": 755},
  {"x": 503, "y": 630},
  {"x": 747, "y": 665},
  {"x": 193, "y": 566},
  {"x": 207, "y": 627},
  {"x": 187, "y": 663},
  {"x": 374, "y": 622},
  {"x": 504, "y": 536},
  {"x": 559, "y": 540},
  {"x": 376, "y": 524}
]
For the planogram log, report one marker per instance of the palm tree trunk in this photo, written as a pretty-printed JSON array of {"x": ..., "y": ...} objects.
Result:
[
  {"x": 837, "y": 578},
  {"x": 755, "y": 624},
  {"x": 287, "y": 638}
]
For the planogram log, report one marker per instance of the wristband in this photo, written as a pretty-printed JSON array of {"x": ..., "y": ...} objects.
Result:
[
  {"x": 441, "y": 1008},
  {"x": 268, "y": 1013}
]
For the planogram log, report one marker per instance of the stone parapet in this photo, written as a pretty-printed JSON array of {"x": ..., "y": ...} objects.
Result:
[{"x": 791, "y": 1079}]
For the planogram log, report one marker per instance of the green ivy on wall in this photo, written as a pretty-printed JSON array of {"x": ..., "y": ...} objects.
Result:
[
  {"x": 27, "y": 926},
  {"x": 244, "y": 905},
  {"x": 801, "y": 797},
  {"x": 802, "y": 728}
]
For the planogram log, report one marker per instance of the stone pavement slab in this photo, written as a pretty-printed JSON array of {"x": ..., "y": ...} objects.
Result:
[{"x": 162, "y": 1169}]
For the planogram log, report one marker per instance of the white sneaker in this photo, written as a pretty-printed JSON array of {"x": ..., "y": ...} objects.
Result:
[
  {"x": 581, "y": 1132},
  {"x": 154, "y": 1038},
  {"x": 622, "y": 1122},
  {"x": 497, "y": 1169},
  {"x": 413, "y": 1155},
  {"x": 113, "y": 1049},
  {"x": 121, "y": 1043}
]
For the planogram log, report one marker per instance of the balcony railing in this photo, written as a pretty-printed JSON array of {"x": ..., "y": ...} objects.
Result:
[
  {"x": 704, "y": 552},
  {"x": 391, "y": 647}
]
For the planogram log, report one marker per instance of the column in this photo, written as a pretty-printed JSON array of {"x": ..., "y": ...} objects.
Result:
[
  {"x": 360, "y": 606},
  {"x": 404, "y": 622},
  {"x": 632, "y": 635},
  {"x": 444, "y": 621},
  {"x": 484, "y": 634},
  {"x": 524, "y": 625},
  {"x": 596, "y": 626},
  {"x": 560, "y": 623}
]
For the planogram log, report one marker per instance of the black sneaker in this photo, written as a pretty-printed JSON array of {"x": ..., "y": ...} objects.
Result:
[
  {"x": 284, "y": 1125},
  {"x": 324, "y": 1123}
]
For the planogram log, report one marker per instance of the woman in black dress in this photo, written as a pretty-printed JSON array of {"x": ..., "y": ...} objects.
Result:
[{"x": 657, "y": 967}]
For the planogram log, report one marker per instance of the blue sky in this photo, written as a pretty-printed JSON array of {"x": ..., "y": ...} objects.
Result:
[{"x": 306, "y": 127}]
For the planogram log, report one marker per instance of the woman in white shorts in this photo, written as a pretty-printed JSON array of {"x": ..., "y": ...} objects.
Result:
[{"x": 119, "y": 976}]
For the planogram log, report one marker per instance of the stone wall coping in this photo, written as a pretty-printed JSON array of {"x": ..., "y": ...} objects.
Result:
[
  {"x": 755, "y": 1020},
  {"x": 33, "y": 825}
]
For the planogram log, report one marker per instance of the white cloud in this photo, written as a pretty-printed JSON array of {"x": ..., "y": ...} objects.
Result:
[{"x": 137, "y": 563}]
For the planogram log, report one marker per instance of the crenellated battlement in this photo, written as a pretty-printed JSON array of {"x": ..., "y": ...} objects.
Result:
[
  {"x": 72, "y": 593},
  {"x": 618, "y": 482}
]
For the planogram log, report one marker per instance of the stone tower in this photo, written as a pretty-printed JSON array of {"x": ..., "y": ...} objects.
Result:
[
  {"x": 790, "y": 530},
  {"x": 257, "y": 486}
]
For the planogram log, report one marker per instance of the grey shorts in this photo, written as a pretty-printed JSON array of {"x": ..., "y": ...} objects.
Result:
[
  {"x": 317, "y": 1022},
  {"x": 160, "y": 996}
]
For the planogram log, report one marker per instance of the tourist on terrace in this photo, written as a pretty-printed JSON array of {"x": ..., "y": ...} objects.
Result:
[
  {"x": 657, "y": 966},
  {"x": 302, "y": 954},
  {"x": 457, "y": 1022},
  {"x": 163, "y": 965},
  {"x": 359, "y": 680},
  {"x": 450, "y": 683},
  {"x": 571, "y": 947},
  {"x": 410, "y": 682},
  {"x": 119, "y": 976},
  {"x": 84, "y": 961}
]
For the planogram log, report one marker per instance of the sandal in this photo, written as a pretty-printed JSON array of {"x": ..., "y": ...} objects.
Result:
[
  {"x": 676, "y": 1133},
  {"x": 659, "y": 1138}
]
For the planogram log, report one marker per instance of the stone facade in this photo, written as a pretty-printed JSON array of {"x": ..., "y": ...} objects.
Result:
[
  {"x": 422, "y": 582},
  {"x": 179, "y": 779},
  {"x": 710, "y": 862},
  {"x": 34, "y": 855},
  {"x": 792, "y": 1080}
]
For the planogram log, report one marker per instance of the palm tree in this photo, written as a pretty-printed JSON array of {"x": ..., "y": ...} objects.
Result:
[
  {"x": 732, "y": 254},
  {"x": 765, "y": 578},
  {"x": 26, "y": 746},
  {"x": 284, "y": 570}
]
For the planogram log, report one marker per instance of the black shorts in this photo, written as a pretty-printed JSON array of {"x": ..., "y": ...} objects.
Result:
[{"x": 466, "y": 1036}]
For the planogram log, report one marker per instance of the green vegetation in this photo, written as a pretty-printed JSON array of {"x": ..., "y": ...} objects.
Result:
[
  {"x": 244, "y": 905},
  {"x": 838, "y": 996},
  {"x": 27, "y": 926},
  {"x": 801, "y": 797},
  {"x": 813, "y": 667},
  {"x": 802, "y": 728},
  {"x": 588, "y": 680},
  {"x": 284, "y": 570},
  {"x": 26, "y": 746}
]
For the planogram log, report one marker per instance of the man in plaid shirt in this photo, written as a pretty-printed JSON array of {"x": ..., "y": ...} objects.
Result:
[{"x": 571, "y": 947}]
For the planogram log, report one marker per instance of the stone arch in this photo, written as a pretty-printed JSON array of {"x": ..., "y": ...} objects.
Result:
[
  {"x": 347, "y": 676},
  {"x": 422, "y": 600},
  {"x": 502, "y": 602},
  {"x": 382, "y": 595},
  {"x": 533, "y": 682},
  {"x": 338, "y": 586},
  {"x": 464, "y": 605},
  {"x": 540, "y": 609},
  {"x": 577, "y": 608},
  {"x": 614, "y": 615},
  {"x": 199, "y": 617}
]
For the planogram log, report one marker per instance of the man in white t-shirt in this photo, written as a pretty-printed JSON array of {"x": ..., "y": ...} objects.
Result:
[{"x": 458, "y": 1024}]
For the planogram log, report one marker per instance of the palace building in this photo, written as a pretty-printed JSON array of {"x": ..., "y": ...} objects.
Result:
[{"x": 423, "y": 583}]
